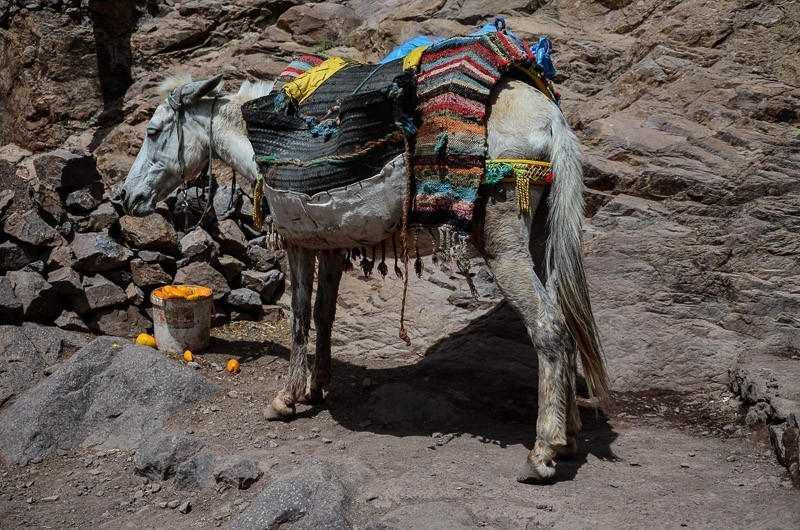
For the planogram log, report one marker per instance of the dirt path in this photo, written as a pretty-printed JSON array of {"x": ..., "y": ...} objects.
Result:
[{"x": 435, "y": 436}]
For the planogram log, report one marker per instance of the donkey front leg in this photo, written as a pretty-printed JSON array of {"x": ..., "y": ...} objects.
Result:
[
  {"x": 328, "y": 278},
  {"x": 301, "y": 265},
  {"x": 502, "y": 238}
]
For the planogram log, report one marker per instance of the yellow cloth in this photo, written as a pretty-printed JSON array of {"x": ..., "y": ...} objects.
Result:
[
  {"x": 414, "y": 57},
  {"x": 538, "y": 83},
  {"x": 306, "y": 83}
]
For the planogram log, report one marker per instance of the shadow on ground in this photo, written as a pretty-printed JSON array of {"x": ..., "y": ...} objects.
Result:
[{"x": 480, "y": 381}]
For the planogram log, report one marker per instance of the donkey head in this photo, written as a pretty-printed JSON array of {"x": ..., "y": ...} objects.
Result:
[{"x": 176, "y": 147}]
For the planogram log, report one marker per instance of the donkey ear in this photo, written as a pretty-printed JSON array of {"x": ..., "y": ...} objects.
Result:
[{"x": 192, "y": 92}]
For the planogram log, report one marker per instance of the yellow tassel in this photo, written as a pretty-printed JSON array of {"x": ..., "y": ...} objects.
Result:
[
  {"x": 523, "y": 193},
  {"x": 258, "y": 192}
]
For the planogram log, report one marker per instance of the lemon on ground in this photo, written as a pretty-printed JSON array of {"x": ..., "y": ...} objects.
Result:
[
  {"x": 187, "y": 356},
  {"x": 233, "y": 366},
  {"x": 146, "y": 340}
]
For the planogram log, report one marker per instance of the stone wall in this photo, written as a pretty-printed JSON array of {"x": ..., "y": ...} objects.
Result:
[{"x": 69, "y": 256}]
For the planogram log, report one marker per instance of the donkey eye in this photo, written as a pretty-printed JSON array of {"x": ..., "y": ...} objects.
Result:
[{"x": 152, "y": 132}]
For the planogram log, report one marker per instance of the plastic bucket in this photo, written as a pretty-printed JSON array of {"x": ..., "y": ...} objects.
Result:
[{"x": 180, "y": 324}]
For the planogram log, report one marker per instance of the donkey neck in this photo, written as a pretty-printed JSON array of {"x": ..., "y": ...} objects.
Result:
[{"x": 229, "y": 141}]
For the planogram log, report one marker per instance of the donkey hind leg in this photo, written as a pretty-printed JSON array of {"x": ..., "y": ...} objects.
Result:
[
  {"x": 503, "y": 239},
  {"x": 328, "y": 278},
  {"x": 573, "y": 427},
  {"x": 301, "y": 266},
  {"x": 538, "y": 243}
]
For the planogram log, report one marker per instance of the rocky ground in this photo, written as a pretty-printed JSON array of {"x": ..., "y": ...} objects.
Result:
[{"x": 687, "y": 112}]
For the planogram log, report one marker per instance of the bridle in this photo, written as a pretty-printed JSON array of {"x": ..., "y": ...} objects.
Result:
[{"x": 175, "y": 101}]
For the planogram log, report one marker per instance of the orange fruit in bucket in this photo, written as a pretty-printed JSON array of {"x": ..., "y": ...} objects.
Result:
[
  {"x": 182, "y": 292},
  {"x": 172, "y": 292}
]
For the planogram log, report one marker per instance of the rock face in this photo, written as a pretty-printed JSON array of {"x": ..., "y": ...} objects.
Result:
[{"x": 110, "y": 394}]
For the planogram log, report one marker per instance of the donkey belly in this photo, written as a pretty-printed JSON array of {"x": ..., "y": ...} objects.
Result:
[{"x": 359, "y": 215}]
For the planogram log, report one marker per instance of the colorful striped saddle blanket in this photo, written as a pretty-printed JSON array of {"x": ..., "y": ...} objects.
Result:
[{"x": 454, "y": 81}]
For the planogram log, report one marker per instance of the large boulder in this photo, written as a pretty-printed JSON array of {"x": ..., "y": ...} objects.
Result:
[
  {"x": 245, "y": 299},
  {"x": 66, "y": 281},
  {"x": 85, "y": 198},
  {"x": 111, "y": 394},
  {"x": 231, "y": 238}
]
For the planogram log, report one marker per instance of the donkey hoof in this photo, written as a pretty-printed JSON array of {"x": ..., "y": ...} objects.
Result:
[
  {"x": 278, "y": 410},
  {"x": 534, "y": 472},
  {"x": 569, "y": 450},
  {"x": 312, "y": 397}
]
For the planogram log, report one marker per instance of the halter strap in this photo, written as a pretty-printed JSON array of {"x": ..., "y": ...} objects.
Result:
[{"x": 177, "y": 105}]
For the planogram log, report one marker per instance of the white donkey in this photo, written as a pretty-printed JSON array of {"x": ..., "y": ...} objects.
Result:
[{"x": 538, "y": 266}]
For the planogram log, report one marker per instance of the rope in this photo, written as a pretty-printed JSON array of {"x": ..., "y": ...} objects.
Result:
[{"x": 404, "y": 240}]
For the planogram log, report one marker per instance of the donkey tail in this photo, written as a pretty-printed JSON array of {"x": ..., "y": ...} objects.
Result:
[{"x": 564, "y": 261}]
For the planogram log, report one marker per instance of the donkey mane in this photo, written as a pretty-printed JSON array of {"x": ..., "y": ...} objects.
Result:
[
  {"x": 247, "y": 91},
  {"x": 173, "y": 81}
]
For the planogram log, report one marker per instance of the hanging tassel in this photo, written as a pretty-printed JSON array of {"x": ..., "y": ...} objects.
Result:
[
  {"x": 258, "y": 192},
  {"x": 404, "y": 234},
  {"x": 382, "y": 268},
  {"x": 366, "y": 264},
  {"x": 434, "y": 245},
  {"x": 418, "y": 261},
  {"x": 347, "y": 264},
  {"x": 397, "y": 270},
  {"x": 523, "y": 192}
]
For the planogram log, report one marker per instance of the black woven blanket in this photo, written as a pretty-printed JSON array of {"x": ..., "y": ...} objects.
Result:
[{"x": 355, "y": 109}]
